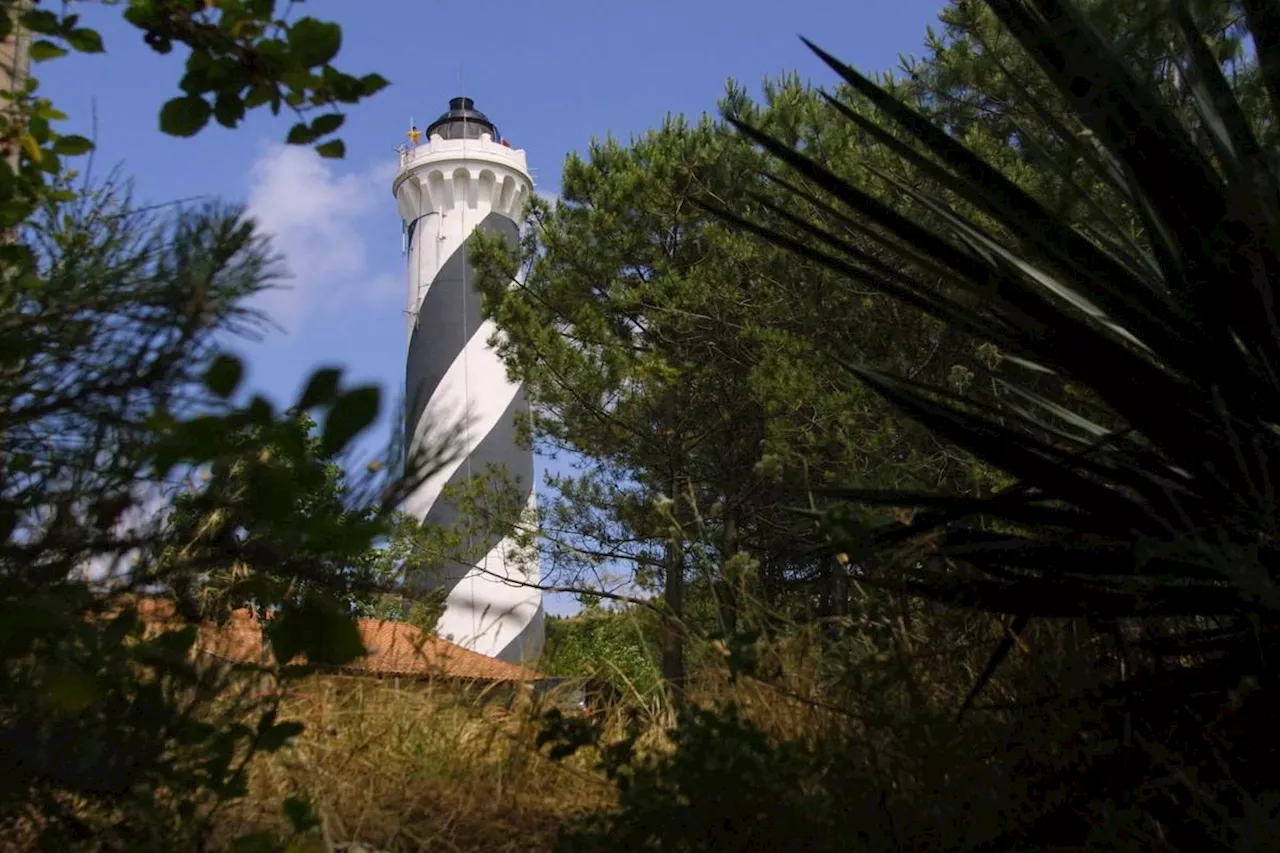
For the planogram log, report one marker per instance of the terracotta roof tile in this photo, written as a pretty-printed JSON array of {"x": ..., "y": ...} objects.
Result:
[{"x": 395, "y": 648}]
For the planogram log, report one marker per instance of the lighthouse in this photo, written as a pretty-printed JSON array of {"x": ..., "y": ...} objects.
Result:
[{"x": 457, "y": 178}]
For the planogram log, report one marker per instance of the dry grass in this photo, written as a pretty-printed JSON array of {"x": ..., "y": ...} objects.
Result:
[
  {"x": 416, "y": 769},
  {"x": 429, "y": 768}
]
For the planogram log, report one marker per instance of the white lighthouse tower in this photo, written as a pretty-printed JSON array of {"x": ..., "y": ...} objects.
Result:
[{"x": 456, "y": 178}]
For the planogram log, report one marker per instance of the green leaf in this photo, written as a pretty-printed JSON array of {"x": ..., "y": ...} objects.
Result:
[
  {"x": 70, "y": 691},
  {"x": 321, "y": 388},
  {"x": 344, "y": 88},
  {"x": 17, "y": 256},
  {"x": 175, "y": 644},
  {"x": 260, "y": 411},
  {"x": 317, "y": 629},
  {"x": 184, "y": 116},
  {"x": 50, "y": 162},
  {"x": 260, "y": 94},
  {"x": 302, "y": 816},
  {"x": 274, "y": 737},
  {"x": 8, "y": 521},
  {"x": 351, "y": 413},
  {"x": 120, "y": 627},
  {"x": 47, "y": 112},
  {"x": 301, "y": 134},
  {"x": 41, "y": 21},
  {"x": 373, "y": 83},
  {"x": 72, "y": 146},
  {"x": 334, "y": 149},
  {"x": 314, "y": 42},
  {"x": 262, "y": 841},
  {"x": 228, "y": 109},
  {"x": 198, "y": 437},
  {"x": 327, "y": 124},
  {"x": 44, "y": 49},
  {"x": 224, "y": 375},
  {"x": 85, "y": 40}
]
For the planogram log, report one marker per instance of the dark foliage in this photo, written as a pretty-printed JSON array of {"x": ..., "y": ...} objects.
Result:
[{"x": 1160, "y": 532}]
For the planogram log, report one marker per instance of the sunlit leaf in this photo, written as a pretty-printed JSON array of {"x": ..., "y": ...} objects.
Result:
[
  {"x": 327, "y": 123},
  {"x": 314, "y": 42},
  {"x": 72, "y": 145},
  {"x": 334, "y": 149},
  {"x": 85, "y": 40},
  {"x": 42, "y": 50},
  {"x": 184, "y": 116},
  {"x": 224, "y": 375},
  {"x": 321, "y": 388},
  {"x": 350, "y": 414}
]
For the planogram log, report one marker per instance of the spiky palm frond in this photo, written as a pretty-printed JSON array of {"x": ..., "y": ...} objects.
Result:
[{"x": 1166, "y": 508}]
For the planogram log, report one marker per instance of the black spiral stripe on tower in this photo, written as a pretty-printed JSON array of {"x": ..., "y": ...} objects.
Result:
[{"x": 449, "y": 318}]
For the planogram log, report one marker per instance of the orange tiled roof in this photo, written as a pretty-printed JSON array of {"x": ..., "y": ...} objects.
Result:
[{"x": 395, "y": 648}]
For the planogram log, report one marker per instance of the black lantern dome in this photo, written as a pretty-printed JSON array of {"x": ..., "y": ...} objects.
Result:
[{"x": 462, "y": 121}]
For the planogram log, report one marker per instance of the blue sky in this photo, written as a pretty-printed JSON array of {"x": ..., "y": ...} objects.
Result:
[{"x": 552, "y": 74}]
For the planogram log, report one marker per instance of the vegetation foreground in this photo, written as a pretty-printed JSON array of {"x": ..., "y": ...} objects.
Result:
[{"x": 927, "y": 428}]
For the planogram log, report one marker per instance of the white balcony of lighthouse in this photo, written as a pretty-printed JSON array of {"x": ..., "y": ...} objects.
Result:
[
  {"x": 436, "y": 147},
  {"x": 447, "y": 174},
  {"x": 463, "y": 165}
]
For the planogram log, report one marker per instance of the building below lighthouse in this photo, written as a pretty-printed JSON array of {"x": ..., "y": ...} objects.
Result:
[{"x": 457, "y": 178}]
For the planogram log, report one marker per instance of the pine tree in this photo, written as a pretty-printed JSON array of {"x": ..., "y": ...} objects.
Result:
[{"x": 676, "y": 357}]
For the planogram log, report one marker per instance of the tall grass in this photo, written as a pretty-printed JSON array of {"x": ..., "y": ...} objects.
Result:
[
  {"x": 428, "y": 767},
  {"x": 418, "y": 767}
]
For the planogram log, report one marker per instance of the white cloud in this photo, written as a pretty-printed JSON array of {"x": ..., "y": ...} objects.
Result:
[{"x": 313, "y": 212}]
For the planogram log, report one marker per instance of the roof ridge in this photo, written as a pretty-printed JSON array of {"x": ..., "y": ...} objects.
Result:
[{"x": 394, "y": 648}]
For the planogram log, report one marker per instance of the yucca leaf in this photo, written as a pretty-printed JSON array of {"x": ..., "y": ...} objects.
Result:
[
  {"x": 936, "y": 306},
  {"x": 1112, "y": 468},
  {"x": 910, "y": 291},
  {"x": 1253, "y": 192},
  {"x": 1058, "y": 411},
  {"x": 1031, "y": 417},
  {"x": 1003, "y": 200},
  {"x": 1080, "y": 140},
  {"x": 1017, "y": 453},
  {"x": 862, "y": 203},
  {"x": 1156, "y": 505},
  {"x": 1032, "y": 366},
  {"x": 1129, "y": 117},
  {"x": 897, "y": 247},
  {"x": 1224, "y": 122},
  {"x": 1063, "y": 600},
  {"x": 998, "y": 256},
  {"x": 990, "y": 191},
  {"x": 1036, "y": 511},
  {"x": 1012, "y": 633},
  {"x": 1115, "y": 241},
  {"x": 1263, "y": 17},
  {"x": 1095, "y": 359},
  {"x": 1093, "y": 555},
  {"x": 873, "y": 265}
]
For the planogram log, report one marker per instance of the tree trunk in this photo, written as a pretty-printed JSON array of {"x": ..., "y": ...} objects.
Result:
[
  {"x": 673, "y": 669},
  {"x": 835, "y": 599},
  {"x": 838, "y": 589},
  {"x": 727, "y": 587}
]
